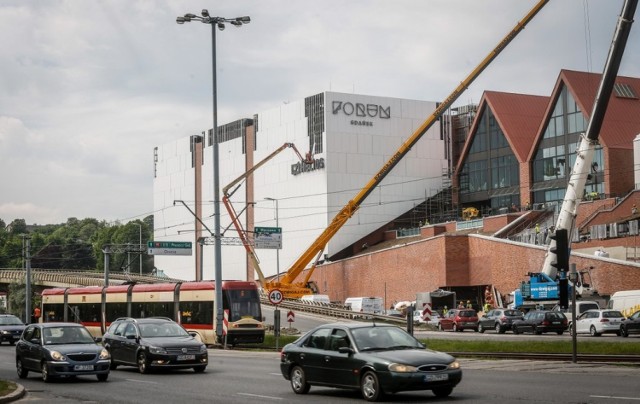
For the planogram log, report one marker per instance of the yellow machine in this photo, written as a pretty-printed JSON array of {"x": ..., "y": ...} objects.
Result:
[
  {"x": 287, "y": 284},
  {"x": 470, "y": 213}
]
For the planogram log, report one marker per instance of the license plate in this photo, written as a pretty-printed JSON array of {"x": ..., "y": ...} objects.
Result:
[
  {"x": 436, "y": 378},
  {"x": 186, "y": 357},
  {"x": 83, "y": 367},
  {"x": 555, "y": 322}
]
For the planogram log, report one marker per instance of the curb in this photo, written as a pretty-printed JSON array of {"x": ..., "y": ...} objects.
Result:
[{"x": 17, "y": 394}]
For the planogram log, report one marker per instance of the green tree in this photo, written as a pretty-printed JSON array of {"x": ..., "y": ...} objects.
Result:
[{"x": 16, "y": 300}]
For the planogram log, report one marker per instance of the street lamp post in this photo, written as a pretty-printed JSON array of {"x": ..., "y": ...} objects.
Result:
[
  {"x": 218, "y": 22},
  {"x": 278, "y": 249}
]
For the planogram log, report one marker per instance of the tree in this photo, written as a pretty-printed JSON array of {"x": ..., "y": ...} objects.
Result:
[{"x": 16, "y": 300}]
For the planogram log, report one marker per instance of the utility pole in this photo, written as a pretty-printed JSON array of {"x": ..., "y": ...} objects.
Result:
[{"x": 27, "y": 290}]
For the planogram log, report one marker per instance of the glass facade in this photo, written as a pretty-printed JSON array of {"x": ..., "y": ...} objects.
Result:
[
  {"x": 490, "y": 175},
  {"x": 556, "y": 153}
]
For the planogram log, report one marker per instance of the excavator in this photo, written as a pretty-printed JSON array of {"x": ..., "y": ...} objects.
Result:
[
  {"x": 287, "y": 284},
  {"x": 543, "y": 288}
]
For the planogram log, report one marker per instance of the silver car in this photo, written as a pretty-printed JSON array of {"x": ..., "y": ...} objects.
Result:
[{"x": 598, "y": 322}]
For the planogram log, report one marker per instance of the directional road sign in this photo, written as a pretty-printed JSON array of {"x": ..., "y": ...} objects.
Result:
[
  {"x": 268, "y": 237},
  {"x": 169, "y": 248}
]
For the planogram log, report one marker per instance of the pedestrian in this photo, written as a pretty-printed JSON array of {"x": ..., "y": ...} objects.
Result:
[
  {"x": 445, "y": 310},
  {"x": 469, "y": 306},
  {"x": 461, "y": 305}
]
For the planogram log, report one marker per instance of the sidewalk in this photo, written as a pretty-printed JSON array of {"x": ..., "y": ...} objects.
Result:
[{"x": 17, "y": 394}]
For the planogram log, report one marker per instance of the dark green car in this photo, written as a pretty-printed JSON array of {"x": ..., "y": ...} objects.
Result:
[{"x": 373, "y": 358}]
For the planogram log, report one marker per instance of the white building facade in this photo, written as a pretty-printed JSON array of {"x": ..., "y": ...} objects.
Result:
[{"x": 349, "y": 137}]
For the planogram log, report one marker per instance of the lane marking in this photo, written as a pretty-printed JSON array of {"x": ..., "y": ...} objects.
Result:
[
  {"x": 141, "y": 381},
  {"x": 259, "y": 396},
  {"x": 617, "y": 398}
]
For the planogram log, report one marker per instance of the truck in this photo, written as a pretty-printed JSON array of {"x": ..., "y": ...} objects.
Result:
[
  {"x": 542, "y": 289},
  {"x": 626, "y": 301},
  {"x": 370, "y": 305},
  {"x": 288, "y": 284}
]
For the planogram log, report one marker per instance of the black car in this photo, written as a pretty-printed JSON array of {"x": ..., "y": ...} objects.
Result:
[
  {"x": 631, "y": 325},
  {"x": 541, "y": 321},
  {"x": 11, "y": 328},
  {"x": 154, "y": 343},
  {"x": 373, "y": 358},
  {"x": 60, "y": 350},
  {"x": 499, "y": 320}
]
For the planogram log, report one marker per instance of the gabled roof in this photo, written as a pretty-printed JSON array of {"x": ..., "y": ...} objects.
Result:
[
  {"x": 519, "y": 117},
  {"x": 622, "y": 119}
]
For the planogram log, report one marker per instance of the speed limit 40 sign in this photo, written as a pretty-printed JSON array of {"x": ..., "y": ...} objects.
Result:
[{"x": 275, "y": 296}]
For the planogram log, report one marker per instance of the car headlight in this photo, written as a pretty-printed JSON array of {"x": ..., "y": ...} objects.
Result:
[
  {"x": 454, "y": 365},
  {"x": 157, "y": 350},
  {"x": 57, "y": 356},
  {"x": 203, "y": 349},
  {"x": 5, "y": 332},
  {"x": 104, "y": 354},
  {"x": 400, "y": 368}
]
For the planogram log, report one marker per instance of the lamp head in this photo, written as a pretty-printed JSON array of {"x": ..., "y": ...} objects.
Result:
[
  {"x": 180, "y": 20},
  {"x": 221, "y": 26},
  {"x": 245, "y": 20},
  {"x": 205, "y": 13}
]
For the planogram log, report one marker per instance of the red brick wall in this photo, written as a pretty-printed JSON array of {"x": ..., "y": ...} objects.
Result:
[
  {"x": 494, "y": 223},
  {"x": 618, "y": 176},
  {"x": 455, "y": 260}
]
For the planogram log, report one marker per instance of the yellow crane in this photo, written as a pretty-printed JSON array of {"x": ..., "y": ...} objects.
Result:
[{"x": 287, "y": 284}]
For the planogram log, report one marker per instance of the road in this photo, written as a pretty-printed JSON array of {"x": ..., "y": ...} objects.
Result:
[{"x": 248, "y": 377}]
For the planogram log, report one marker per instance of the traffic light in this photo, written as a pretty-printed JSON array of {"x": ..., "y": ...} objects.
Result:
[
  {"x": 563, "y": 285},
  {"x": 561, "y": 250}
]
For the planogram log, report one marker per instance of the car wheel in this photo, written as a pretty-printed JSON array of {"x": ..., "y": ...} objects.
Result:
[
  {"x": 22, "y": 372},
  {"x": 370, "y": 387},
  {"x": 593, "y": 331},
  {"x": 570, "y": 329},
  {"x": 559, "y": 332},
  {"x": 143, "y": 366},
  {"x": 537, "y": 331},
  {"x": 440, "y": 327},
  {"x": 199, "y": 369},
  {"x": 298, "y": 379},
  {"x": 103, "y": 377},
  {"x": 454, "y": 328},
  {"x": 499, "y": 329},
  {"x": 480, "y": 328},
  {"x": 46, "y": 377},
  {"x": 443, "y": 391},
  {"x": 624, "y": 332},
  {"x": 515, "y": 330}
]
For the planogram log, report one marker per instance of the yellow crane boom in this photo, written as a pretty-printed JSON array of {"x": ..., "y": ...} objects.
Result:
[{"x": 287, "y": 284}]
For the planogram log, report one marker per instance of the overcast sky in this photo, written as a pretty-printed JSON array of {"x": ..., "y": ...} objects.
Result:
[{"x": 88, "y": 88}]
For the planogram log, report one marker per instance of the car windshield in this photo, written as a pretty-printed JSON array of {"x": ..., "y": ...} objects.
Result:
[
  {"x": 467, "y": 313},
  {"x": 512, "y": 313},
  {"x": 10, "y": 320},
  {"x": 611, "y": 314},
  {"x": 66, "y": 335},
  {"x": 384, "y": 338},
  {"x": 154, "y": 330}
]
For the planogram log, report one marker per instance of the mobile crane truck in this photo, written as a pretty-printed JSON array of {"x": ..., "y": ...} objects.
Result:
[{"x": 544, "y": 289}]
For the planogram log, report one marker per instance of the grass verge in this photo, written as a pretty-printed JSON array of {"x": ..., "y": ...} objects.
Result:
[
  {"x": 447, "y": 345},
  {"x": 7, "y": 387}
]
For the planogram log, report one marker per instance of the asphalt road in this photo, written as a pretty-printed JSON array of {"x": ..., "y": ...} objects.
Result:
[{"x": 249, "y": 377}]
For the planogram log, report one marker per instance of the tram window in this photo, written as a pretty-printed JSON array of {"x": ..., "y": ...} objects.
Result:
[
  {"x": 86, "y": 312},
  {"x": 196, "y": 312},
  {"x": 116, "y": 310},
  {"x": 53, "y": 312},
  {"x": 141, "y": 310}
]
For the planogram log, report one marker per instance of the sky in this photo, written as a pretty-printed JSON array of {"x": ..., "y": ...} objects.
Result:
[{"x": 88, "y": 88}]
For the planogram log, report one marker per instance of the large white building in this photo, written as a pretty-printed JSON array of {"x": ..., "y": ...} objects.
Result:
[{"x": 349, "y": 136}]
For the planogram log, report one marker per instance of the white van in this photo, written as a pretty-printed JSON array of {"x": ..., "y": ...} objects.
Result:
[
  {"x": 581, "y": 307},
  {"x": 372, "y": 305},
  {"x": 316, "y": 299},
  {"x": 627, "y": 302}
]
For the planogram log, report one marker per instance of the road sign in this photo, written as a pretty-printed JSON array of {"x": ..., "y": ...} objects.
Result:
[
  {"x": 291, "y": 316},
  {"x": 275, "y": 296},
  {"x": 169, "y": 248},
  {"x": 268, "y": 237}
]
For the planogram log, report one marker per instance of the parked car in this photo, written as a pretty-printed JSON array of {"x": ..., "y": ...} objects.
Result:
[
  {"x": 631, "y": 325},
  {"x": 373, "y": 358},
  {"x": 541, "y": 321},
  {"x": 598, "y": 322},
  {"x": 154, "y": 343},
  {"x": 11, "y": 328},
  {"x": 499, "y": 320},
  {"x": 459, "y": 320},
  {"x": 60, "y": 350}
]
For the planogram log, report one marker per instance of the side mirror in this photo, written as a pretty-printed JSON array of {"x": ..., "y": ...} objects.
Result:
[
  {"x": 193, "y": 334},
  {"x": 131, "y": 336},
  {"x": 345, "y": 349},
  {"x": 98, "y": 339},
  {"x": 35, "y": 341}
]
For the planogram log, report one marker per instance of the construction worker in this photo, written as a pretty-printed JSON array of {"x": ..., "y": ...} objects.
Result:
[
  {"x": 461, "y": 305},
  {"x": 469, "y": 306},
  {"x": 445, "y": 311}
]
